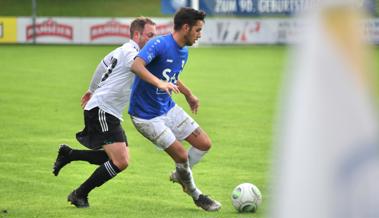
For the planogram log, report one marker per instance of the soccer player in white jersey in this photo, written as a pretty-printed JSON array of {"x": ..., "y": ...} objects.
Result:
[
  {"x": 103, "y": 103},
  {"x": 155, "y": 114}
]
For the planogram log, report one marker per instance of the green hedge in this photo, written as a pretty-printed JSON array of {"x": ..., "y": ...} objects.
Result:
[{"x": 82, "y": 8}]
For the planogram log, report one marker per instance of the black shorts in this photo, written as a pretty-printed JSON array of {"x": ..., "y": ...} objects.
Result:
[{"x": 100, "y": 129}]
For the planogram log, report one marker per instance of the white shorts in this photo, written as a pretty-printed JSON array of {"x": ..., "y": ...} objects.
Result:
[{"x": 165, "y": 129}]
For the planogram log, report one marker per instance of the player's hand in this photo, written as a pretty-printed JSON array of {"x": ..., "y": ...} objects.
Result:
[
  {"x": 194, "y": 103},
  {"x": 168, "y": 87},
  {"x": 85, "y": 98}
]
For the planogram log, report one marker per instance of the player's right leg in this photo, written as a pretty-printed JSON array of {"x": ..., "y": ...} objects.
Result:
[
  {"x": 183, "y": 171},
  {"x": 179, "y": 154},
  {"x": 119, "y": 157},
  {"x": 101, "y": 130}
]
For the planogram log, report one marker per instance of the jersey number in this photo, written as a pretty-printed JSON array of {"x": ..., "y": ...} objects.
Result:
[{"x": 109, "y": 69}]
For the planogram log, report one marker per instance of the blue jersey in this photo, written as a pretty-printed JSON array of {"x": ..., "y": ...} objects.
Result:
[{"x": 165, "y": 59}]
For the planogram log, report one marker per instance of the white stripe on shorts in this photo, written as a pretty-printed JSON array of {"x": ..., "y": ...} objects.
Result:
[
  {"x": 100, "y": 120},
  {"x": 103, "y": 121}
]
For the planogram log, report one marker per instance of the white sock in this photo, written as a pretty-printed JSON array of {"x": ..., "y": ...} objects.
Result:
[
  {"x": 185, "y": 174},
  {"x": 195, "y": 155}
]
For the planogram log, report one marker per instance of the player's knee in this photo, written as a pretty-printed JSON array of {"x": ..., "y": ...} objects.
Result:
[
  {"x": 122, "y": 163},
  {"x": 205, "y": 144}
]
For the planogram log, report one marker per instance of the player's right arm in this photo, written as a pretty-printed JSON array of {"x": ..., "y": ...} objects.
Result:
[
  {"x": 152, "y": 49},
  {"x": 138, "y": 67},
  {"x": 96, "y": 78}
]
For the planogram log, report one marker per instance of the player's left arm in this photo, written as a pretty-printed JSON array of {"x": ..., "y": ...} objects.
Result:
[{"x": 192, "y": 100}]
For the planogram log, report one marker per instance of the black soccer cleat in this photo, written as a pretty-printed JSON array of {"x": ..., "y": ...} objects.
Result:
[
  {"x": 62, "y": 158},
  {"x": 207, "y": 204},
  {"x": 78, "y": 201}
]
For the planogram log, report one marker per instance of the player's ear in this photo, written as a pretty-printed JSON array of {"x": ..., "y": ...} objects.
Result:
[
  {"x": 136, "y": 35},
  {"x": 186, "y": 27}
]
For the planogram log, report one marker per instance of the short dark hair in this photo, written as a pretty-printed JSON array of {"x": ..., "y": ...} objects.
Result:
[
  {"x": 138, "y": 24},
  {"x": 188, "y": 16}
]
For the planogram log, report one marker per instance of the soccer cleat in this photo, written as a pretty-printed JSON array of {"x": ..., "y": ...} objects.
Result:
[
  {"x": 174, "y": 177},
  {"x": 207, "y": 204},
  {"x": 62, "y": 158},
  {"x": 78, "y": 201}
]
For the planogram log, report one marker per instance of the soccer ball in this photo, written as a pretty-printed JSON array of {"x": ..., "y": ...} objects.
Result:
[{"x": 246, "y": 197}]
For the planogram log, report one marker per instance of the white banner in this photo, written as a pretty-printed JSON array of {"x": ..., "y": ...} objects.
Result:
[
  {"x": 81, "y": 30},
  {"x": 116, "y": 30},
  {"x": 75, "y": 30},
  {"x": 238, "y": 31},
  {"x": 49, "y": 30}
]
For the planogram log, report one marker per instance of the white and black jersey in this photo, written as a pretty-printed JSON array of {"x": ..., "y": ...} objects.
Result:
[{"x": 114, "y": 80}]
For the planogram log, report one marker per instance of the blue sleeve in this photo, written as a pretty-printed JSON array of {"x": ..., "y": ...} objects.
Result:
[{"x": 151, "y": 50}]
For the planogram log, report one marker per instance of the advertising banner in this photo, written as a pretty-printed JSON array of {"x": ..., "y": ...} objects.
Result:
[
  {"x": 238, "y": 31},
  {"x": 48, "y": 30},
  {"x": 75, "y": 30},
  {"x": 62, "y": 30},
  {"x": 114, "y": 30},
  {"x": 8, "y": 29},
  {"x": 253, "y": 7},
  {"x": 170, "y": 6}
]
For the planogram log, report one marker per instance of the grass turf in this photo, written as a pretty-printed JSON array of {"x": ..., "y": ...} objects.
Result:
[{"x": 39, "y": 108}]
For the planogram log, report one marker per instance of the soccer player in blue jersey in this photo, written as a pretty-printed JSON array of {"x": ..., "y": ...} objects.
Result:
[{"x": 155, "y": 114}]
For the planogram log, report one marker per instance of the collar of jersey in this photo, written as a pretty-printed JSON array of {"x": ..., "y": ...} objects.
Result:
[
  {"x": 135, "y": 45},
  {"x": 173, "y": 40}
]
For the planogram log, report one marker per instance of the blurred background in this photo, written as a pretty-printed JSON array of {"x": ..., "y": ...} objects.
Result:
[
  {"x": 258, "y": 62},
  {"x": 106, "y": 22}
]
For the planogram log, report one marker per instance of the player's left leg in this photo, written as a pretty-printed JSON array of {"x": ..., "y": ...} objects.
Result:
[
  {"x": 66, "y": 154},
  {"x": 200, "y": 145},
  {"x": 186, "y": 128}
]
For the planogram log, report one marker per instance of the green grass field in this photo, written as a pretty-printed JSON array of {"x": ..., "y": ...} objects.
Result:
[{"x": 40, "y": 108}]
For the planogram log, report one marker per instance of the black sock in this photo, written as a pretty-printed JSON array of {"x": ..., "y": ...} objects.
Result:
[
  {"x": 97, "y": 157},
  {"x": 102, "y": 174}
]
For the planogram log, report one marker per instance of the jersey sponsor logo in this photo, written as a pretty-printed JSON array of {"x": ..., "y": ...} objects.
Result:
[
  {"x": 111, "y": 28},
  {"x": 169, "y": 61},
  {"x": 50, "y": 28},
  {"x": 166, "y": 77}
]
